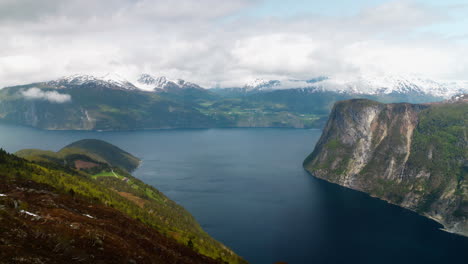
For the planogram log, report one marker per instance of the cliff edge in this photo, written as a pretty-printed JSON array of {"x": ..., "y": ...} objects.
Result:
[{"x": 411, "y": 155}]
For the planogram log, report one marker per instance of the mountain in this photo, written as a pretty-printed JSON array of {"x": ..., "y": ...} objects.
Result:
[
  {"x": 110, "y": 102},
  {"x": 87, "y": 104},
  {"x": 261, "y": 84},
  {"x": 389, "y": 84},
  {"x": 88, "y": 172},
  {"x": 111, "y": 81},
  {"x": 365, "y": 85},
  {"x": 412, "y": 155},
  {"x": 183, "y": 92},
  {"x": 163, "y": 83},
  {"x": 322, "y": 92},
  {"x": 358, "y": 85}
]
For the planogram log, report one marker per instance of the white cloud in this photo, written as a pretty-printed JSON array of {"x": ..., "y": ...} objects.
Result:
[
  {"x": 51, "y": 96},
  {"x": 196, "y": 41}
]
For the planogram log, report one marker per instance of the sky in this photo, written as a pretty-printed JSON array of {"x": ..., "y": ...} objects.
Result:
[{"x": 228, "y": 43}]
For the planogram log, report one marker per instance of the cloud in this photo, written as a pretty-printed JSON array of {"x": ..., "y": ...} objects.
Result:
[
  {"x": 51, "y": 96},
  {"x": 214, "y": 43}
]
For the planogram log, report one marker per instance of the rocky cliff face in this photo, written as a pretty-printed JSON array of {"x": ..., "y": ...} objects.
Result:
[{"x": 415, "y": 156}]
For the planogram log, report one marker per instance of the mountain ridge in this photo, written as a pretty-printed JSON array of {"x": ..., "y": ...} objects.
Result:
[{"x": 364, "y": 84}]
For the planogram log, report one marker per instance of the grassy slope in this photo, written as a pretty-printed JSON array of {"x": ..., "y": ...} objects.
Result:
[
  {"x": 127, "y": 194},
  {"x": 109, "y": 153},
  {"x": 442, "y": 131},
  {"x": 39, "y": 224},
  {"x": 87, "y": 149}
]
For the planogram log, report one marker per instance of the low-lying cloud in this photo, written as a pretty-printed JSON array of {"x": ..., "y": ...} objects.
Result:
[{"x": 51, "y": 96}]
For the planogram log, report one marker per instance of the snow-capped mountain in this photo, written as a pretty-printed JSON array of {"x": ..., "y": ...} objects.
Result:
[
  {"x": 395, "y": 84},
  {"x": 261, "y": 84},
  {"x": 112, "y": 81},
  {"x": 369, "y": 85},
  {"x": 146, "y": 81}
]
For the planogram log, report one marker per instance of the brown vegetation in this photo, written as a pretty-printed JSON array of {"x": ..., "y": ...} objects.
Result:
[
  {"x": 38, "y": 225},
  {"x": 81, "y": 164}
]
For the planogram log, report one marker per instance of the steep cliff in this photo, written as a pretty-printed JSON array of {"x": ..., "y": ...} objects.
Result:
[{"x": 415, "y": 156}]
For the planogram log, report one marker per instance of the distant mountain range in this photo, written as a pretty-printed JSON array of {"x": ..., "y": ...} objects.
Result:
[
  {"x": 112, "y": 81},
  {"x": 111, "y": 102},
  {"x": 365, "y": 85}
]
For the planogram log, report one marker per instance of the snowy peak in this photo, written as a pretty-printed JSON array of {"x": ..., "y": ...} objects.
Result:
[
  {"x": 149, "y": 81},
  {"x": 116, "y": 81},
  {"x": 261, "y": 84},
  {"x": 146, "y": 79},
  {"x": 111, "y": 81},
  {"x": 395, "y": 84},
  {"x": 364, "y": 84},
  {"x": 367, "y": 84}
]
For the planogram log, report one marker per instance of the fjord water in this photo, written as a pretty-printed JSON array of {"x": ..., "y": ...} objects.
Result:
[{"x": 248, "y": 189}]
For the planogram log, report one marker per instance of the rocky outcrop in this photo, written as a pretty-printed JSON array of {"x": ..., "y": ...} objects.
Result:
[{"x": 411, "y": 155}]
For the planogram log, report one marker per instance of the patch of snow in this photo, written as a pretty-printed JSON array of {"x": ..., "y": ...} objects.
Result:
[
  {"x": 368, "y": 84},
  {"x": 149, "y": 82},
  {"x": 110, "y": 80},
  {"x": 87, "y": 215},
  {"x": 362, "y": 84},
  {"x": 396, "y": 84},
  {"x": 2, "y": 195},
  {"x": 29, "y": 213},
  {"x": 261, "y": 84}
]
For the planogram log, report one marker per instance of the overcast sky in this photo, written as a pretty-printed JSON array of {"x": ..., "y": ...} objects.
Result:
[{"x": 226, "y": 43}]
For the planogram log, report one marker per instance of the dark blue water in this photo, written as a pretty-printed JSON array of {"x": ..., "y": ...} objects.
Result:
[{"x": 247, "y": 188}]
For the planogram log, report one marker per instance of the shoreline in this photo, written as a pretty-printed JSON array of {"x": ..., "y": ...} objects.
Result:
[
  {"x": 156, "y": 129},
  {"x": 444, "y": 227}
]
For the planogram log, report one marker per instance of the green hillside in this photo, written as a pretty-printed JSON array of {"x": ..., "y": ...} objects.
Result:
[
  {"x": 99, "y": 180},
  {"x": 105, "y": 152},
  {"x": 43, "y": 224},
  {"x": 87, "y": 150}
]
